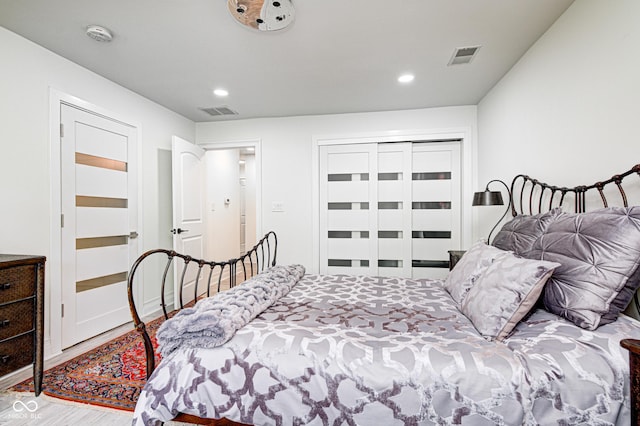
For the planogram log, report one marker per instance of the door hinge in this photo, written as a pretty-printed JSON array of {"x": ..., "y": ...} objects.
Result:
[
  {"x": 61, "y": 130},
  {"x": 62, "y": 310},
  {"x": 62, "y": 221}
]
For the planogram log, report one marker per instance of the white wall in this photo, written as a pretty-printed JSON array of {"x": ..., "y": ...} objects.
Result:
[
  {"x": 287, "y": 163},
  {"x": 567, "y": 112},
  {"x": 27, "y": 73}
]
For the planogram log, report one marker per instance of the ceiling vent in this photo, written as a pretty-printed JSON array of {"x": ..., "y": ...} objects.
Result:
[
  {"x": 218, "y": 111},
  {"x": 463, "y": 55}
]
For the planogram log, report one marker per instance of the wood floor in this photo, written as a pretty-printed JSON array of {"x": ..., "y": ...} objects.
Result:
[{"x": 23, "y": 409}]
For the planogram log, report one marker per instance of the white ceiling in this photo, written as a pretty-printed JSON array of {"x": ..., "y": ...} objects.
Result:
[{"x": 338, "y": 56}]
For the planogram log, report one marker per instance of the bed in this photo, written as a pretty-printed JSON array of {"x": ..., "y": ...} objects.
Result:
[{"x": 528, "y": 330}]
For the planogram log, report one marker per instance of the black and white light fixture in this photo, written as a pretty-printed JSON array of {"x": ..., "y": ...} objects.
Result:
[
  {"x": 263, "y": 15},
  {"x": 492, "y": 198}
]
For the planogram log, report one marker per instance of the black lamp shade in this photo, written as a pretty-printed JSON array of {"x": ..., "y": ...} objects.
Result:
[{"x": 488, "y": 198}]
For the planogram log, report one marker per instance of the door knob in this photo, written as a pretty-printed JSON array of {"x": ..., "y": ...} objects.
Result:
[{"x": 179, "y": 231}]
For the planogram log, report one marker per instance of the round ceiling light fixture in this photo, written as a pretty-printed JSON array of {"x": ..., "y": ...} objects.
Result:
[
  {"x": 221, "y": 92},
  {"x": 263, "y": 15},
  {"x": 99, "y": 33}
]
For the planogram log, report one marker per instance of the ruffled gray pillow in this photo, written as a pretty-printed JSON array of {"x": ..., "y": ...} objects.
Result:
[
  {"x": 599, "y": 253},
  {"x": 519, "y": 234}
]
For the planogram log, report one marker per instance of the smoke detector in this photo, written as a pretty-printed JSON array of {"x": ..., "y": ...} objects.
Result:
[{"x": 99, "y": 33}]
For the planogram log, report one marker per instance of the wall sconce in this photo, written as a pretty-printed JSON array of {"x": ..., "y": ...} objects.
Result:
[{"x": 492, "y": 198}]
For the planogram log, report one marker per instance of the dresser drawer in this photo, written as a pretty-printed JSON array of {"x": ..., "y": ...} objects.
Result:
[
  {"x": 15, "y": 353},
  {"x": 16, "y": 318},
  {"x": 17, "y": 283}
]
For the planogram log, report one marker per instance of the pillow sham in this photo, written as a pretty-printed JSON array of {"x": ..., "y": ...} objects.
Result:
[
  {"x": 599, "y": 251},
  {"x": 519, "y": 234},
  {"x": 504, "y": 293},
  {"x": 475, "y": 260}
]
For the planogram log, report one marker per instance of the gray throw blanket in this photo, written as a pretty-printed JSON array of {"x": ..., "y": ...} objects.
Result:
[{"x": 214, "y": 320}]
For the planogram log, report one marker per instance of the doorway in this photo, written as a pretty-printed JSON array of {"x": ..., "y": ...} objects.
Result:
[
  {"x": 226, "y": 195},
  {"x": 231, "y": 184}
]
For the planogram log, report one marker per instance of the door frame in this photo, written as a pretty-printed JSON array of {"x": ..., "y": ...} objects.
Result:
[
  {"x": 468, "y": 170},
  {"x": 53, "y": 290},
  {"x": 256, "y": 144}
]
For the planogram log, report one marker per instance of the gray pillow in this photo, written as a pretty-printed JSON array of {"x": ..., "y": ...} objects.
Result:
[
  {"x": 623, "y": 298},
  {"x": 519, "y": 234},
  {"x": 475, "y": 260},
  {"x": 599, "y": 252},
  {"x": 504, "y": 293}
]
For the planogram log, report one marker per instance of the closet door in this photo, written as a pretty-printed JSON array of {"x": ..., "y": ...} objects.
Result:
[
  {"x": 389, "y": 209},
  {"x": 435, "y": 207},
  {"x": 348, "y": 200},
  {"x": 394, "y": 209}
]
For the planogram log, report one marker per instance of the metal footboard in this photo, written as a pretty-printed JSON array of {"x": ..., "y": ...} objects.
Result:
[{"x": 257, "y": 259}]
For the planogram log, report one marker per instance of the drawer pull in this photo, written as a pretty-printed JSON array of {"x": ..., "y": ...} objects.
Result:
[
  {"x": 5, "y": 286},
  {"x": 5, "y": 359},
  {"x": 4, "y": 323}
]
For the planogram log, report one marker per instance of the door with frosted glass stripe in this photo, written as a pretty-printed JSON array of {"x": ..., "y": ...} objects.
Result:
[
  {"x": 390, "y": 209},
  {"x": 99, "y": 207}
]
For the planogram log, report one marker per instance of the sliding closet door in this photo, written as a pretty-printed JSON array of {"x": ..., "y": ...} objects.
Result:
[
  {"x": 435, "y": 207},
  {"x": 390, "y": 209},
  {"x": 348, "y": 197},
  {"x": 394, "y": 209}
]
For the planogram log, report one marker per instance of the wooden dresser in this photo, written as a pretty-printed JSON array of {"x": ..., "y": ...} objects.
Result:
[{"x": 22, "y": 314}]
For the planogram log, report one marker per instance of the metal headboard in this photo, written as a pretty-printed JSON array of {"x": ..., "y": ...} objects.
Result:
[{"x": 530, "y": 196}]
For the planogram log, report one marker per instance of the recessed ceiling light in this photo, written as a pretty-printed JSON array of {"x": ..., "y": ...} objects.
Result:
[
  {"x": 221, "y": 92},
  {"x": 406, "y": 78}
]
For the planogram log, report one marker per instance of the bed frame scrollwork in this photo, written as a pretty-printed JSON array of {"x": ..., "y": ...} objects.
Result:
[
  {"x": 530, "y": 196},
  {"x": 257, "y": 259}
]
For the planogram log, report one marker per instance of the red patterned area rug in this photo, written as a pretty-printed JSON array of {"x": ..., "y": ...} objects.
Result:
[{"x": 111, "y": 375}]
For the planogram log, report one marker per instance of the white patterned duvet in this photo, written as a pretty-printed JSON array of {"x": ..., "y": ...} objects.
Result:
[{"x": 345, "y": 350}]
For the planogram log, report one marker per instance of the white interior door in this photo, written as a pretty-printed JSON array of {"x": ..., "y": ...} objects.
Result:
[
  {"x": 188, "y": 181},
  {"x": 99, "y": 217}
]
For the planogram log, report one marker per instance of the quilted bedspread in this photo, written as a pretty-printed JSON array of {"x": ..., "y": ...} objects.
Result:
[{"x": 344, "y": 350}]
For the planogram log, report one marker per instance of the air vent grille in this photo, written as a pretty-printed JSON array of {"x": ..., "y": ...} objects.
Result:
[
  {"x": 463, "y": 55},
  {"x": 217, "y": 111}
]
